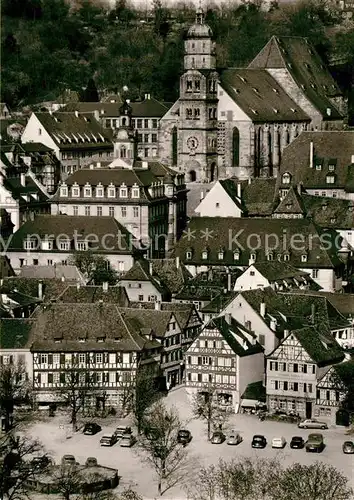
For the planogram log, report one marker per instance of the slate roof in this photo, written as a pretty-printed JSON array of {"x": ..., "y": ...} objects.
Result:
[
  {"x": 230, "y": 186},
  {"x": 294, "y": 310},
  {"x": 343, "y": 302},
  {"x": 249, "y": 236},
  {"x": 29, "y": 286},
  {"x": 15, "y": 333},
  {"x": 299, "y": 57},
  {"x": 89, "y": 321},
  {"x": 148, "y": 318},
  {"x": 83, "y": 130},
  {"x": 319, "y": 345},
  {"x": 260, "y": 96},
  {"x": 148, "y": 108},
  {"x": 92, "y": 294},
  {"x": 234, "y": 334},
  {"x": 330, "y": 147},
  {"x": 78, "y": 227},
  {"x": 259, "y": 196},
  {"x": 66, "y": 273}
]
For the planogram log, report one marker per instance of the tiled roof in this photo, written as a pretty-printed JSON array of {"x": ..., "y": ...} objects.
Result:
[
  {"x": 294, "y": 310},
  {"x": 20, "y": 299},
  {"x": 249, "y": 236},
  {"x": 15, "y": 333},
  {"x": 143, "y": 317},
  {"x": 29, "y": 286},
  {"x": 219, "y": 302},
  {"x": 275, "y": 270},
  {"x": 77, "y": 227},
  {"x": 319, "y": 344},
  {"x": 86, "y": 321},
  {"x": 230, "y": 186},
  {"x": 170, "y": 276},
  {"x": 334, "y": 213},
  {"x": 345, "y": 371},
  {"x": 297, "y": 55},
  {"x": 35, "y": 147},
  {"x": 292, "y": 203},
  {"x": 31, "y": 193},
  {"x": 343, "y": 302},
  {"x": 236, "y": 336},
  {"x": 330, "y": 147},
  {"x": 149, "y": 108},
  {"x": 65, "y": 273},
  {"x": 208, "y": 285},
  {"x": 93, "y": 294},
  {"x": 141, "y": 272},
  {"x": 106, "y": 109},
  {"x": 70, "y": 131},
  {"x": 260, "y": 96},
  {"x": 259, "y": 196},
  {"x": 182, "y": 312}
]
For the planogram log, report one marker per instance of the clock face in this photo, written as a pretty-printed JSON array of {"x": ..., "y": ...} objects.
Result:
[{"x": 192, "y": 143}]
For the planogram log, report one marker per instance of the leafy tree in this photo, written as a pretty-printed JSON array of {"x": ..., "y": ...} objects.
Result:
[
  {"x": 161, "y": 448},
  {"x": 95, "y": 268},
  {"x": 15, "y": 389},
  {"x": 16, "y": 465},
  {"x": 204, "y": 406}
]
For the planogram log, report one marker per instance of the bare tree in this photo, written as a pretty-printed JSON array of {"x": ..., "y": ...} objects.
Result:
[
  {"x": 75, "y": 389},
  {"x": 67, "y": 480},
  {"x": 15, "y": 389},
  {"x": 318, "y": 481},
  {"x": 161, "y": 447},
  {"x": 204, "y": 406},
  {"x": 128, "y": 494},
  {"x": 17, "y": 466}
]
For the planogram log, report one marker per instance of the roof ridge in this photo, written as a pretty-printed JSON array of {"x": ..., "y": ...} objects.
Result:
[{"x": 126, "y": 326}]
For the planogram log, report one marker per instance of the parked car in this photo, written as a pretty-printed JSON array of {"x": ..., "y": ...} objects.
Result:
[
  {"x": 127, "y": 441},
  {"x": 109, "y": 439},
  {"x": 69, "y": 460},
  {"x": 348, "y": 447},
  {"x": 218, "y": 437},
  {"x": 91, "y": 428},
  {"x": 259, "y": 441},
  {"x": 184, "y": 437},
  {"x": 41, "y": 462},
  {"x": 315, "y": 443},
  {"x": 234, "y": 439},
  {"x": 278, "y": 442},
  {"x": 312, "y": 423},
  {"x": 297, "y": 442},
  {"x": 122, "y": 430}
]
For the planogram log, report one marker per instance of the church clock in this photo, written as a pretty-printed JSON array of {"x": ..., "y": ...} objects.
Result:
[{"x": 192, "y": 143}]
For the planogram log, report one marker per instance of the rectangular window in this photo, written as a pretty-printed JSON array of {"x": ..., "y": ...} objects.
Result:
[
  {"x": 123, "y": 211},
  {"x": 139, "y": 123},
  {"x": 261, "y": 339},
  {"x": 99, "y": 357},
  {"x": 87, "y": 210},
  {"x": 135, "y": 211},
  {"x": 154, "y": 123},
  {"x": 75, "y": 210},
  {"x": 153, "y": 137},
  {"x": 146, "y": 123},
  {"x": 146, "y": 137},
  {"x": 111, "y": 211},
  {"x": 99, "y": 211},
  {"x": 64, "y": 245}
]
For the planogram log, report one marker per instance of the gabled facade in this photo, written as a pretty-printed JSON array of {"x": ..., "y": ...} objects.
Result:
[
  {"x": 294, "y": 368},
  {"x": 141, "y": 285},
  {"x": 226, "y": 357},
  {"x": 223, "y": 200},
  {"x": 15, "y": 343}
]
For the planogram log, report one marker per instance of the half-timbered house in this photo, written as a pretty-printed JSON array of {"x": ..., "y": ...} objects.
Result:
[
  {"x": 95, "y": 339},
  {"x": 227, "y": 357},
  {"x": 294, "y": 368}
]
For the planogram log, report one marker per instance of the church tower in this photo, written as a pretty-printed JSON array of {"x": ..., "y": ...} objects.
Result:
[
  {"x": 197, "y": 124},
  {"x": 125, "y": 141}
]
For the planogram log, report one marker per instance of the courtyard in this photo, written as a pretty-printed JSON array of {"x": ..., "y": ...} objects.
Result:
[{"x": 56, "y": 436}]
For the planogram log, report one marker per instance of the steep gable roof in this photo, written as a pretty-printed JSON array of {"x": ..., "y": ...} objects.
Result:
[
  {"x": 259, "y": 196},
  {"x": 182, "y": 312},
  {"x": 319, "y": 345},
  {"x": 141, "y": 272},
  {"x": 275, "y": 270},
  {"x": 343, "y": 302},
  {"x": 171, "y": 276},
  {"x": 329, "y": 148},
  {"x": 93, "y": 294},
  {"x": 260, "y": 96},
  {"x": 52, "y": 288},
  {"x": 292, "y": 203},
  {"x": 297, "y": 55},
  {"x": 334, "y": 213},
  {"x": 230, "y": 186}
]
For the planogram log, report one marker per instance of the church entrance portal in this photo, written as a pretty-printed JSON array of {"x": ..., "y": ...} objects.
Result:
[{"x": 192, "y": 176}]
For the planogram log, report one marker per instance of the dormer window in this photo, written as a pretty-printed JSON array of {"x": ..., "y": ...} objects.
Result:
[
  {"x": 123, "y": 192},
  {"x": 304, "y": 257},
  {"x": 330, "y": 179},
  {"x": 188, "y": 255},
  {"x": 286, "y": 257},
  {"x": 221, "y": 255},
  {"x": 135, "y": 192},
  {"x": 332, "y": 165},
  {"x": 75, "y": 192},
  {"x": 286, "y": 178},
  {"x": 111, "y": 192},
  {"x": 64, "y": 245},
  {"x": 63, "y": 191},
  {"x": 205, "y": 255},
  {"x": 318, "y": 166},
  {"x": 87, "y": 191},
  {"x": 331, "y": 168},
  {"x": 81, "y": 246},
  {"x": 270, "y": 256},
  {"x": 99, "y": 192},
  {"x": 30, "y": 244},
  {"x": 236, "y": 255},
  {"x": 333, "y": 220},
  {"x": 100, "y": 339},
  {"x": 253, "y": 257}
]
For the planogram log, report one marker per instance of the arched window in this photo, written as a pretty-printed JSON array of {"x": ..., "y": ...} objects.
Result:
[
  {"x": 235, "y": 147},
  {"x": 124, "y": 122},
  {"x": 174, "y": 146}
]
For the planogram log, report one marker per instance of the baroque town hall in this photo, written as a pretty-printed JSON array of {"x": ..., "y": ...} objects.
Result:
[{"x": 237, "y": 121}]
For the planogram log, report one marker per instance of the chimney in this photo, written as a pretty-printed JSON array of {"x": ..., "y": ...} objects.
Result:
[
  {"x": 50, "y": 111},
  {"x": 23, "y": 179},
  {"x": 229, "y": 277},
  {"x": 76, "y": 113},
  {"x": 239, "y": 190},
  {"x": 177, "y": 262},
  {"x": 263, "y": 309},
  {"x": 228, "y": 318},
  {"x": 1, "y": 282},
  {"x": 311, "y": 154},
  {"x": 150, "y": 268},
  {"x": 286, "y": 333},
  {"x": 299, "y": 188},
  {"x": 273, "y": 324},
  {"x": 40, "y": 290},
  {"x": 96, "y": 114},
  {"x": 157, "y": 305},
  {"x": 63, "y": 278},
  {"x": 78, "y": 286},
  {"x": 201, "y": 195},
  {"x": 105, "y": 286}
]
